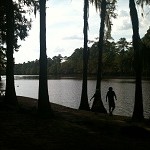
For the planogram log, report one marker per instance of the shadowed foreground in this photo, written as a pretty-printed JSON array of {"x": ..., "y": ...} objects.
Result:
[{"x": 69, "y": 129}]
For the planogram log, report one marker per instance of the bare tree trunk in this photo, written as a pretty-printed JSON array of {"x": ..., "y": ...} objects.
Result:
[
  {"x": 10, "y": 96},
  {"x": 138, "y": 105},
  {"x": 84, "y": 98},
  {"x": 100, "y": 107},
  {"x": 43, "y": 100}
]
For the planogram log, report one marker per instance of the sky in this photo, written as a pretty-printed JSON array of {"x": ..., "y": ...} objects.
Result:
[{"x": 64, "y": 28}]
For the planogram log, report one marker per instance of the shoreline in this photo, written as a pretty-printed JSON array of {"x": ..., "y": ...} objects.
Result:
[
  {"x": 32, "y": 103},
  {"x": 90, "y": 77},
  {"x": 69, "y": 129}
]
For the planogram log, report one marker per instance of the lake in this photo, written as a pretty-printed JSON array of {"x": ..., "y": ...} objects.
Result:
[{"x": 67, "y": 92}]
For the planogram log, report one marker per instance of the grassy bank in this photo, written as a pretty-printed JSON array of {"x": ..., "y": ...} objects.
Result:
[{"x": 69, "y": 129}]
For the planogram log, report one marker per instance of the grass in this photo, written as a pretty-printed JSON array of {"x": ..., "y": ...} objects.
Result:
[{"x": 69, "y": 129}]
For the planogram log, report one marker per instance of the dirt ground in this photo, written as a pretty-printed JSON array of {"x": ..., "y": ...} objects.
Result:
[{"x": 69, "y": 129}]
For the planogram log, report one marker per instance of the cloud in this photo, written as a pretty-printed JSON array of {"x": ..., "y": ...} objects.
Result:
[
  {"x": 59, "y": 50},
  {"x": 73, "y": 37},
  {"x": 123, "y": 13},
  {"x": 126, "y": 25}
]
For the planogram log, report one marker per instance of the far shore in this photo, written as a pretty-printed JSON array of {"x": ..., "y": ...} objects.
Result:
[{"x": 78, "y": 76}]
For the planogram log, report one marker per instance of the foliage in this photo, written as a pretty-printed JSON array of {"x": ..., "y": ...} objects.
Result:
[
  {"x": 146, "y": 52},
  {"x": 110, "y": 13},
  {"x": 2, "y": 58},
  {"x": 22, "y": 24},
  {"x": 118, "y": 60},
  {"x": 143, "y": 2}
]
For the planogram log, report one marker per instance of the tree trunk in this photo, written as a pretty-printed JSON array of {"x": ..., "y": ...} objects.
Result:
[
  {"x": 43, "y": 100},
  {"x": 100, "y": 107},
  {"x": 84, "y": 98},
  {"x": 138, "y": 105},
  {"x": 10, "y": 95}
]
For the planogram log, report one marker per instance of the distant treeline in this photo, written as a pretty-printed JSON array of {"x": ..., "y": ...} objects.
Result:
[{"x": 118, "y": 60}]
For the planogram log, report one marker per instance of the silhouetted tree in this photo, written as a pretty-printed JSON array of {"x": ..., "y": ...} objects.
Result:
[
  {"x": 44, "y": 106},
  {"x": 102, "y": 4},
  {"x": 138, "y": 105},
  {"x": 84, "y": 98},
  {"x": 100, "y": 48},
  {"x": 14, "y": 25},
  {"x": 146, "y": 53},
  {"x": 10, "y": 95}
]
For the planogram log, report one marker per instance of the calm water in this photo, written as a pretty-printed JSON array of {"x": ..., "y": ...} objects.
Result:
[{"x": 67, "y": 92}]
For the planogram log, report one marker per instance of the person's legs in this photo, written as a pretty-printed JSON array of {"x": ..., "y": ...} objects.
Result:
[
  {"x": 109, "y": 109},
  {"x": 113, "y": 109}
]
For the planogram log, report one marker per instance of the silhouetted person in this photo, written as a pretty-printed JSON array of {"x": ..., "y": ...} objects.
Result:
[
  {"x": 97, "y": 105},
  {"x": 111, "y": 95}
]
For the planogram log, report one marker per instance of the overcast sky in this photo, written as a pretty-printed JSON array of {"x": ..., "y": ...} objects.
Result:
[{"x": 64, "y": 28}]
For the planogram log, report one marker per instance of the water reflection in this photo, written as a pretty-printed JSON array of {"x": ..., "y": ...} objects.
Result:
[
  {"x": 24, "y": 77},
  {"x": 67, "y": 92},
  {"x": 2, "y": 85}
]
